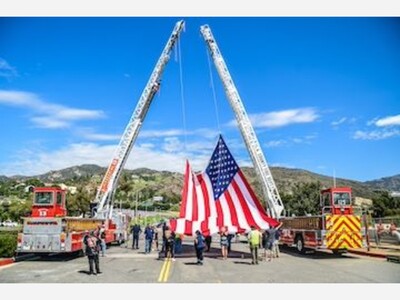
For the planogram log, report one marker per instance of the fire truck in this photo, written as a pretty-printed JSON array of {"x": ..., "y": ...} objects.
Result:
[
  {"x": 336, "y": 228},
  {"x": 49, "y": 229}
]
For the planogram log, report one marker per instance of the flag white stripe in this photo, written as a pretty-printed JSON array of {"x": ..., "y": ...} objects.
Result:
[
  {"x": 201, "y": 215},
  {"x": 180, "y": 226},
  {"x": 250, "y": 203},
  {"x": 189, "y": 202},
  {"x": 238, "y": 208},
  {"x": 226, "y": 211},
  {"x": 211, "y": 201}
]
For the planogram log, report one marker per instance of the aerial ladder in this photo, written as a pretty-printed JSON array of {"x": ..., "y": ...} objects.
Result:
[
  {"x": 270, "y": 191},
  {"x": 102, "y": 206}
]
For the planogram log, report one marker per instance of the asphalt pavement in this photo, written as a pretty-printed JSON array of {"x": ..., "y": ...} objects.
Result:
[{"x": 389, "y": 251}]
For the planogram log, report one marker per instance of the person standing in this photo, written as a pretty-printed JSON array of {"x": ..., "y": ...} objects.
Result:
[
  {"x": 102, "y": 235},
  {"x": 199, "y": 245},
  {"x": 223, "y": 240},
  {"x": 380, "y": 230},
  {"x": 254, "y": 237},
  {"x": 393, "y": 231},
  {"x": 136, "y": 230},
  {"x": 169, "y": 243},
  {"x": 230, "y": 237},
  {"x": 148, "y": 236},
  {"x": 264, "y": 243},
  {"x": 93, "y": 247},
  {"x": 155, "y": 238},
  {"x": 275, "y": 245},
  {"x": 208, "y": 242},
  {"x": 271, "y": 242},
  {"x": 164, "y": 238}
]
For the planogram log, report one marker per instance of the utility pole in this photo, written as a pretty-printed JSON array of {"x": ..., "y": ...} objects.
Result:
[{"x": 136, "y": 207}]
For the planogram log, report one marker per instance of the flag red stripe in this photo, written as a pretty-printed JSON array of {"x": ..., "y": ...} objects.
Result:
[
  {"x": 205, "y": 196},
  {"x": 246, "y": 211},
  {"x": 265, "y": 217},
  {"x": 220, "y": 213},
  {"x": 188, "y": 227},
  {"x": 234, "y": 217}
]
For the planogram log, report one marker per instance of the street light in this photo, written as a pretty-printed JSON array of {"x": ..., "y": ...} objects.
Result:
[{"x": 137, "y": 200}]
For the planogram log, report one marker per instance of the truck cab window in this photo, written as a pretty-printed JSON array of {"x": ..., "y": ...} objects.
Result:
[
  {"x": 59, "y": 198},
  {"x": 44, "y": 198},
  {"x": 341, "y": 199},
  {"x": 326, "y": 199}
]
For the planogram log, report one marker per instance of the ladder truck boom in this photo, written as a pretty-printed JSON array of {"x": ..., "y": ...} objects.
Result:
[
  {"x": 104, "y": 197},
  {"x": 274, "y": 202}
]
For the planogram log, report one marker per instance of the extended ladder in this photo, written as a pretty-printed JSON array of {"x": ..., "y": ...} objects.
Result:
[
  {"x": 275, "y": 206},
  {"x": 104, "y": 196}
]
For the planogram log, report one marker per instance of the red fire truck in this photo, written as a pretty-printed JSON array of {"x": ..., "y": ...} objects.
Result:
[
  {"x": 337, "y": 228},
  {"x": 50, "y": 230}
]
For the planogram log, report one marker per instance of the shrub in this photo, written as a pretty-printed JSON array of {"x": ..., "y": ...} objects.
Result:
[{"x": 8, "y": 244}]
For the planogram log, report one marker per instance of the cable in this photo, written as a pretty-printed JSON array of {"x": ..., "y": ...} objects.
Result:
[
  {"x": 182, "y": 94},
  {"x": 213, "y": 91}
]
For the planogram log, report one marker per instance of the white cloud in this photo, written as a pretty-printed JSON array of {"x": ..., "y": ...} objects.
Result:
[
  {"x": 101, "y": 136},
  {"x": 161, "y": 133},
  {"x": 204, "y": 132},
  {"x": 49, "y": 122},
  {"x": 282, "y": 118},
  {"x": 6, "y": 70},
  {"x": 388, "y": 121},
  {"x": 275, "y": 143},
  {"x": 297, "y": 140},
  {"x": 47, "y": 115},
  {"x": 375, "y": 134},
  {"x": 172, "y": 144},
  {"x": 146, "y": 155},
  {"x": 338, "y": 122}
]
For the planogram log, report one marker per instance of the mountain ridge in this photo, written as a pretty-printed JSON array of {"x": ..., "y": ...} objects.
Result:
[{"x": 285, "y": 178}]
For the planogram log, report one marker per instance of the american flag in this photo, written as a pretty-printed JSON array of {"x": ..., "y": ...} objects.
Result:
[{"x": 219, "y": 197}]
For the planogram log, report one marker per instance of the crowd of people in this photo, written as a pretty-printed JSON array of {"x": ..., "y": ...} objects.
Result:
[
  {"x": 263, "y": 244},
  {"x": 265, "y": 240}
]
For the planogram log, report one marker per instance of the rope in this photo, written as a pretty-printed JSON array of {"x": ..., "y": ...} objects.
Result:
[
  {"x": 182, "y": 94},
  {"x": 214, "y": 94}
]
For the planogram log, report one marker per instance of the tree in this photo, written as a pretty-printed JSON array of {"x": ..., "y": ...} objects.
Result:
[
  {"x": 79, "y": 202},
  {"x": 304, "y": 199},
  {"x": 385, "y": 205}
]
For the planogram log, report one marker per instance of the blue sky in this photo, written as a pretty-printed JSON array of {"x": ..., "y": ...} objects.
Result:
[{"x": 323, "y": 93}]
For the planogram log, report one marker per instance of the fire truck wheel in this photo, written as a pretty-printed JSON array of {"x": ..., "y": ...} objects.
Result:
[
  {"x": 300, "y": 244},
  {"x": 337, "y": 252}
]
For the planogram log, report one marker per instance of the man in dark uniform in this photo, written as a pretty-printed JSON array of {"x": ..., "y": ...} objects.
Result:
[
  {"x": 136, "y": 230},
  {"x": 93, "y": 246}
]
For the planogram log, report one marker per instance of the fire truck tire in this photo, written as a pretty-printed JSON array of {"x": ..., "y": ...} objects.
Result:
[
  {"x": 300, "y": 244},
  {"x": 337, "y": 252}
]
